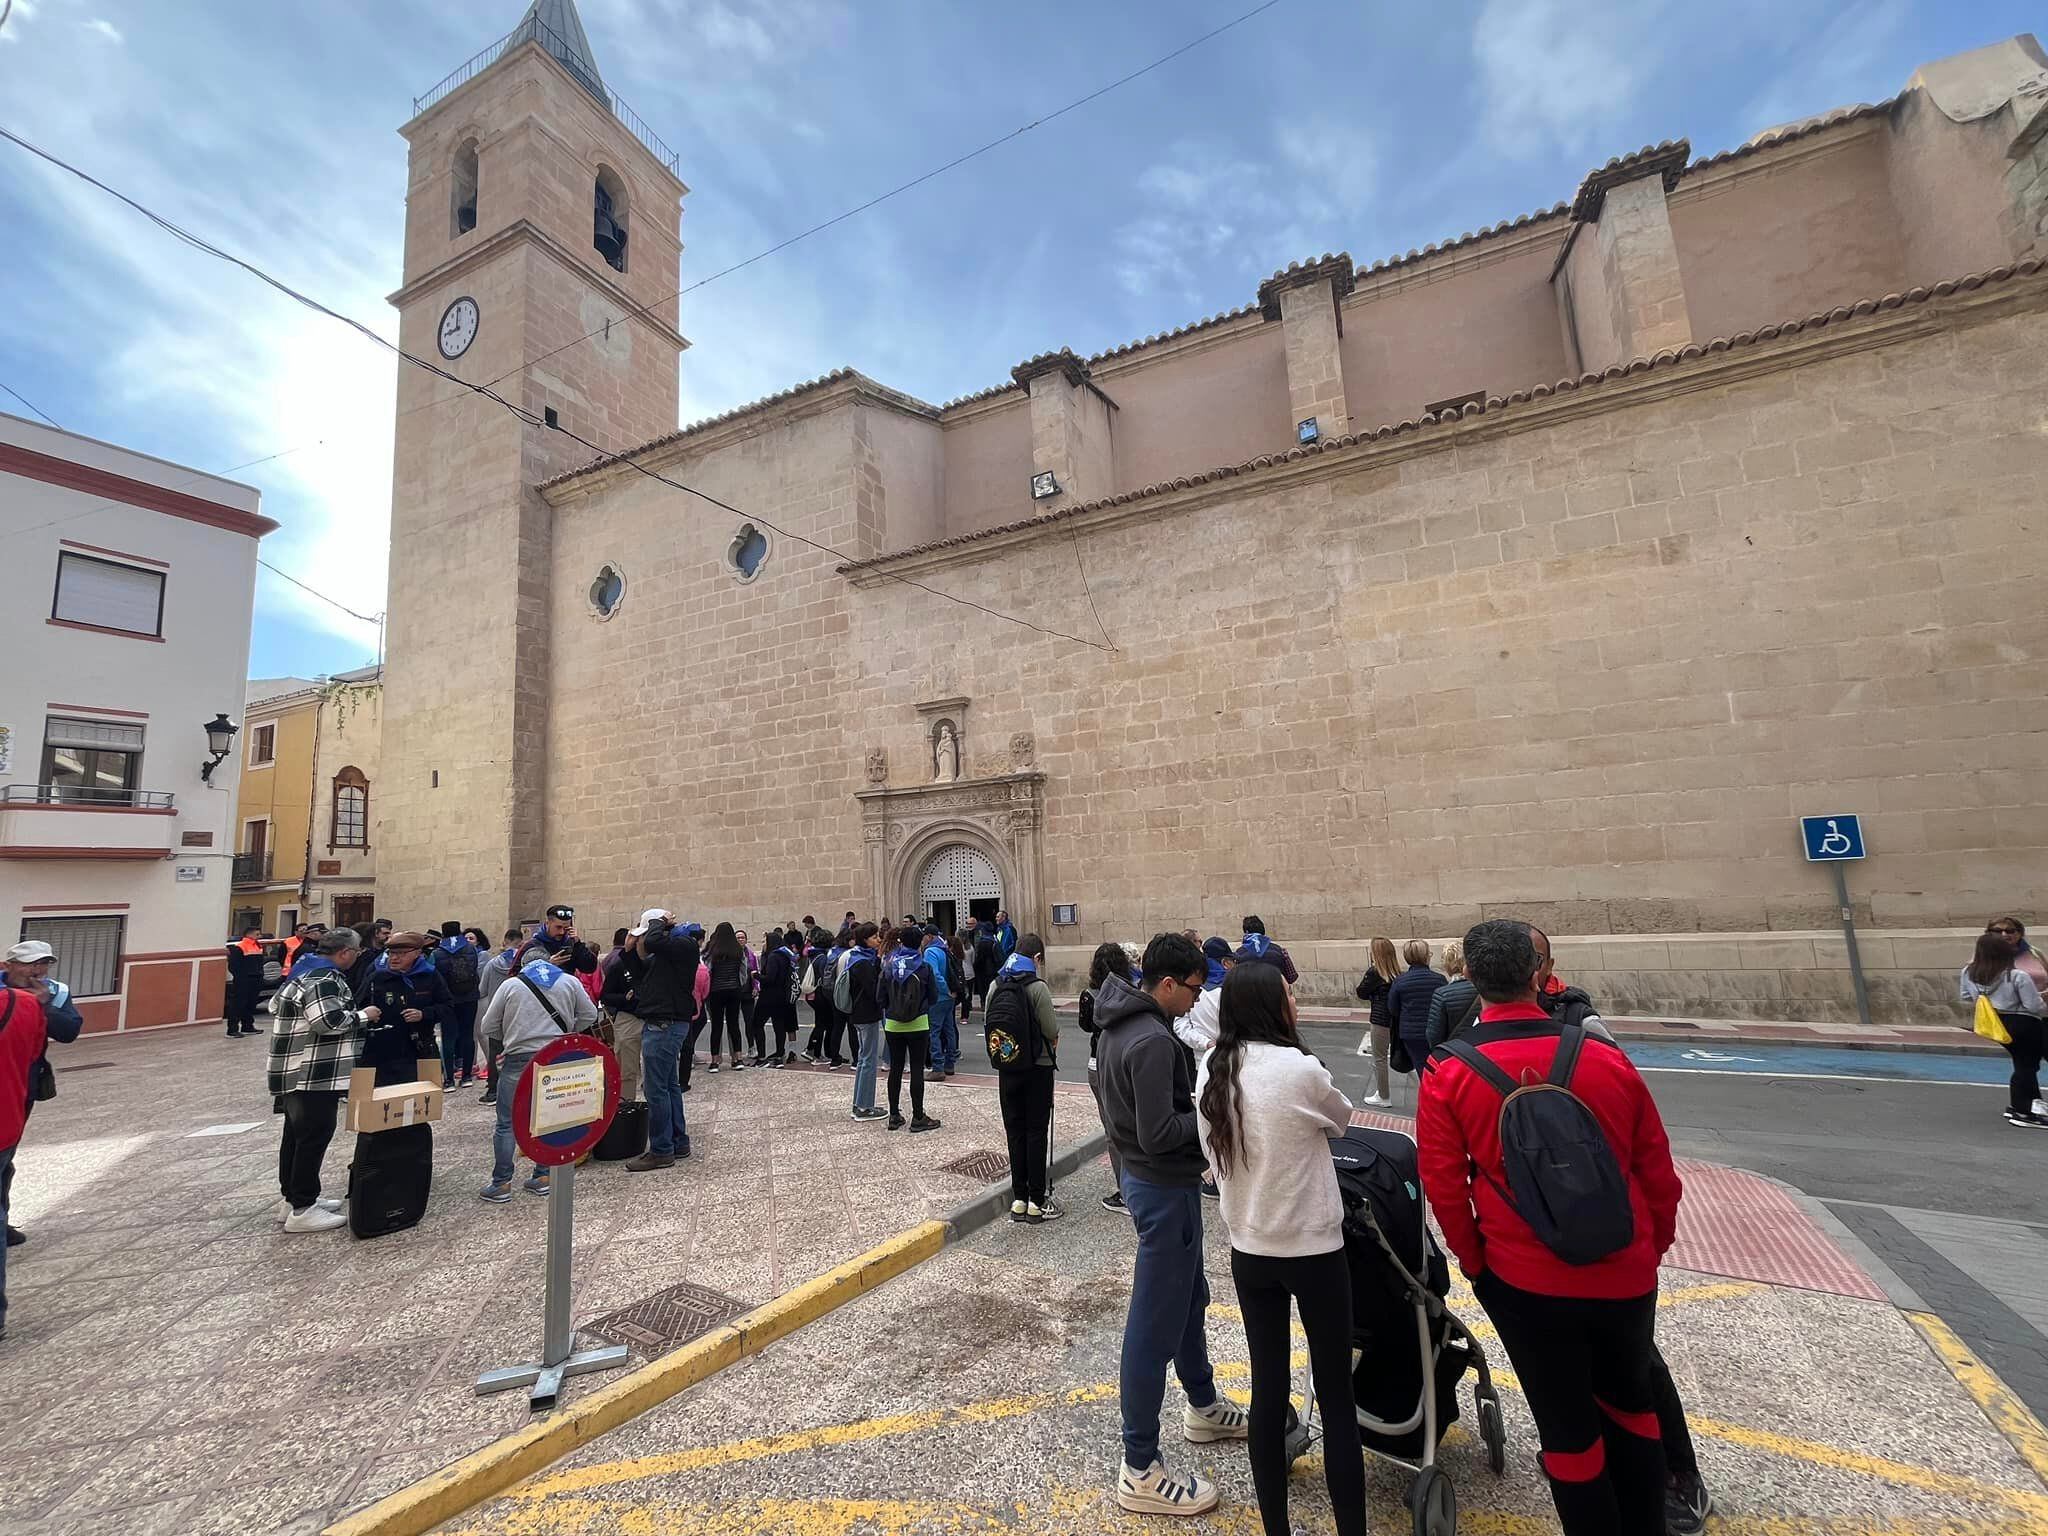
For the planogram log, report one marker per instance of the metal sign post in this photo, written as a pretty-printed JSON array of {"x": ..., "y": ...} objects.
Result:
[
  {"x": 1835, "y": 841},
  {"x": 566, "y": 1098}
]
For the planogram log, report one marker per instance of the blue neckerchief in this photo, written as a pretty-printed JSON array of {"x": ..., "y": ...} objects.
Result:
[
  {"x": 507, "y": 953},
  {"x": 545, "y": 973},
  {"x": 1018, "y": 965},
  {"x": 306, "y": 965},
  {"x": 455, "y": 945},
  {"x": 1214, "y": 979},
  {"x": 1255, "y": 946},
  {"x": 904, "y": 961},
  {"x": 423, "y": 964}
]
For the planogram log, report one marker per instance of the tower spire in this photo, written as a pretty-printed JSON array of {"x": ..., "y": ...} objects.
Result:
[{"x": 555, "y": 25}]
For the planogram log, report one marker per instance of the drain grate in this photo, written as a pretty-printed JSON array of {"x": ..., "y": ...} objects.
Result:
[
  {"x": 659, "y": 1323},
  {"x": 86, "y": 1066},
  {"x": 982, "y": 1167}
]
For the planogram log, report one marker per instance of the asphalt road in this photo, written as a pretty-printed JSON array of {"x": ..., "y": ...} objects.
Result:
[{"x": 1925, "y": 1143}]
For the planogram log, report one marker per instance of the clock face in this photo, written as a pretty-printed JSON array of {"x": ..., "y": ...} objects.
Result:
[{"x": 458, "y": 327}]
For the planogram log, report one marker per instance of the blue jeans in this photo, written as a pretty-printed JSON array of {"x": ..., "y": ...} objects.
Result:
[
  {"x": 458, "y": 1037},
  {"x": 504, "y": 1147},
  {"x": 6, "y": 1182},
  {"x": 1169, "y": 1295},
  {"x": 867, "y": 1046},
  {"x": 946, "y": 1036},
  {"x": 661, "y": 1047}
]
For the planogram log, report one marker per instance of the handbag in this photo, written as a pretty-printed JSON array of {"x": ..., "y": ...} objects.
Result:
[{"x": 1989, "y": 1024}]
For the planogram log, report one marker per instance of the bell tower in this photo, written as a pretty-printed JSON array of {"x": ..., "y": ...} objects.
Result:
[{"x": 541, "y": 219}]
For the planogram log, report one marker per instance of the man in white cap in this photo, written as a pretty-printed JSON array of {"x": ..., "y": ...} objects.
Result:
[{"x": 33, "y": 1011}]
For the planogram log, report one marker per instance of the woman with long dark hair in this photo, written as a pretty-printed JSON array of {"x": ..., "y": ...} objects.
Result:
[
  {"x": 777, "y": 1007},
  {"x": 1107, "y": 961},
  {"x": 1994, "y": 972},
  {"x": 726, "y": 959},
  {"x": 1267, "y": 1111}
]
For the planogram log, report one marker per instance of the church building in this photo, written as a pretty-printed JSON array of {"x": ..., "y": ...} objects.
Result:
[{"x": 1554, "y": 570}]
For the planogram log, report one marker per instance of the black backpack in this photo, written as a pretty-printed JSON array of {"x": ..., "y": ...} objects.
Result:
[
  {"x": 1563, "y": 1177},
  {"x": 903, "y": 989},
  {"x": 1008, "y": 1026},
  {"x": 988, "y": 955},
  {"x": 459, "y": 968}
]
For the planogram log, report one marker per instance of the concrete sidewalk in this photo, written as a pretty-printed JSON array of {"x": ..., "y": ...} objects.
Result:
[
  {"x": 978, "y": 1394},
  {"x": 176, "y": 1364}
]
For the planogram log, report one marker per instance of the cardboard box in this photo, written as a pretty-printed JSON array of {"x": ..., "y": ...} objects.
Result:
[{"x": 371, "y": 1108}]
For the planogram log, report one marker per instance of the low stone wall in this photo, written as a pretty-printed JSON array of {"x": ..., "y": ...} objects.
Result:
[{"x": 1911, "y": 973}]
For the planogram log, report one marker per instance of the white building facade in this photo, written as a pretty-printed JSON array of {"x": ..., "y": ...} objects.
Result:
[{"x": 132, "y": 582}]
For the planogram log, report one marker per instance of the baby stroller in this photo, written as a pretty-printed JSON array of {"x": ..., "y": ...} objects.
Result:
[{"x": 1408, "y": 1350}]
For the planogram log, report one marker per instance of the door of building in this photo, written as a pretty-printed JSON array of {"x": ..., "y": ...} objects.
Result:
[
  {"x": 958, "y": 879},
  {"x": 355, "y": 912}
]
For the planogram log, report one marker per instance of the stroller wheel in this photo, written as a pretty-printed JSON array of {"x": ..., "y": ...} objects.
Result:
[
  {"x": 1434, "y": 1503},
  {"x": 1298, "y": 1437},
  {"x": 1493, "y": 1434}
]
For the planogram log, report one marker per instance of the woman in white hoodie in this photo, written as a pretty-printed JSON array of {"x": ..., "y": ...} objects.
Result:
[{"x": 1267, "y": 1113}]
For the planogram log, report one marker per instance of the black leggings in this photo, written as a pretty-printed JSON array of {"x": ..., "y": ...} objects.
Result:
[
  {"x": 308, "y": 1128},
  {"x": 2025, "y": 1051},
  {"x": 1321, "y": 1286},
  {"x": 1588, "y": 1374},
  {"x": 1026, "y": 1099},
  {"x": 911, "y": 1047},
  {"x": 725, "y": 1011},
  {"x": 783, "y": 1017},
  {"x": 756, "y": 1010}
]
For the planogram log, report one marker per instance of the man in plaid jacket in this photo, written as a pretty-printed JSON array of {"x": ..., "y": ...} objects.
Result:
[{"x": 313, "y": 1044}]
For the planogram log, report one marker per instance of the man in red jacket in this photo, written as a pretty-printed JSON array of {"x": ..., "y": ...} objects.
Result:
[
  {"x": 22, "y": 1042},
  {"x": 1580, "y": 1335}
]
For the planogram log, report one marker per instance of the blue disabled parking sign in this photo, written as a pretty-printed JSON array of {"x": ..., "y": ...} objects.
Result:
[{"x": 1832, "y": 837}]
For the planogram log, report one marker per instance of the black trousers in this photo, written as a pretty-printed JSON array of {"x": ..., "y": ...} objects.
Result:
[
  {"x": 308, "y": 1128},
  {"x": 911, "y": 1047},
  {"x": 1587, "y": 1370},
  {"x": 783, "y": 1016},
  {"x": 1321, "y": 1286},
  {"x": 2025, "y": 1051},
  {"x": 1679, "y": 1456},
  {"x": 242, "y": 995},
  {"x": 823, "y": 1018},
  {"x": 756, "y": 1010},
  {"x": 1027, "y": 1120},
  {"x": 725, "y": 1013}
]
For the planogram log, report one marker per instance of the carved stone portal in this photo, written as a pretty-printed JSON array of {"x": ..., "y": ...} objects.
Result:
[{"x": 1001, "y": 818}]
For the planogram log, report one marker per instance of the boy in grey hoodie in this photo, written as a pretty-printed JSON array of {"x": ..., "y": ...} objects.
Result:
[
  {"x": 1147, "y": 1085},
  {"x": 531, "y": 1008}
]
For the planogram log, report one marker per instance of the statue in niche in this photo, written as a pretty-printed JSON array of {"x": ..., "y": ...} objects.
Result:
[
  {"x": 878, "y": 764},
  {"x": 945, "y": 753}
]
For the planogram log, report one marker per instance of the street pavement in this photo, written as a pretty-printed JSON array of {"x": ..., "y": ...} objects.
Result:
[
  {"x": 977, "y": 1394},
  {"x": 175, "y": 1363}
]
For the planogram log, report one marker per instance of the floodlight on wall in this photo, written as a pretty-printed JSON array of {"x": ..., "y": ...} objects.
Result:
[
  {"x": 1307, "y": 432},
  {"x": 1044, "y": 484},
  {"x": 220, "y": 740}
]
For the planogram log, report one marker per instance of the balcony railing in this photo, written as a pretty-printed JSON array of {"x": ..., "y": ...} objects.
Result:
[
  {"x": 251, "y": 868},
  {"x": 88, "y": 795},
  {"x": 534, "y": 30}
]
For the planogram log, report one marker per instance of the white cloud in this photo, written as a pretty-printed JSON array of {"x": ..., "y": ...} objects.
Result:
[
  {"x": 105, "y": 29},
  {"x": 1556, "y": 75}
]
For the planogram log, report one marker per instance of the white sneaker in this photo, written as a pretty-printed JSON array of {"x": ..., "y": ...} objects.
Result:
[
  {"x": 1377, "y": 1102},
  {"x": 325, "y": 1203},
  {"x": 1156, "y": 1492},
  {"x": 2041, "y": 1107},
  {"x": 1221, "y": 1420},
  {"x": 314, "y": 1219}
]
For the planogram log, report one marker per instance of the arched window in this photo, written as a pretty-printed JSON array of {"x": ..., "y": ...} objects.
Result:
[
  {"x": 609, "y": 233},
  {"x": 462, "y": 190},
  {"x": 351, "y": 827}
]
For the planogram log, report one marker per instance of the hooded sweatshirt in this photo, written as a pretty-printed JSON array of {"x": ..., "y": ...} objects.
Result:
[
  {"x": 1147, "y": 1085},
  {"x": 1039, "y": 996},
  {"x": 522, "y": 1022}
]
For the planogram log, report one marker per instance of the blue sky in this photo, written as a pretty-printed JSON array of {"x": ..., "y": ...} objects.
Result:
[{"x": 1322, "y": 125}]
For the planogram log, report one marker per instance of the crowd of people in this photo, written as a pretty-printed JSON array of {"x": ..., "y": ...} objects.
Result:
[{"x": 388, "y": 999}]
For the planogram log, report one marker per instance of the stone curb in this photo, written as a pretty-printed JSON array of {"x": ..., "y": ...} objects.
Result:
[
  {"x": 444, "y": 1494},
  {"x": 995, "y": 1201}
]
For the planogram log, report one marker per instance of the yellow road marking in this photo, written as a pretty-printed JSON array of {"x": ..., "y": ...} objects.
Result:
[{"x": 2001, "y": 1406}]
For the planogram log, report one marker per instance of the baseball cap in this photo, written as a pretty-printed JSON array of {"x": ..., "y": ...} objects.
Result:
[
  {"x": 566, "y": 914},
  {"x": 29, "y": 951},
  {"x": 1217, "y": 947},
  {"x": 648, "y": 919}
]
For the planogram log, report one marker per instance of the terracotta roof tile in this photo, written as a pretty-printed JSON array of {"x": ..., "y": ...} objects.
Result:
[
  {"x": 1008, "y": 387},
  {"x": 1337, "y": 270},
  {"x": 1812, "y": 125},
  {"x": 1189, "y": 329},
  {"x": 1917, "y": 295},
  {"x": 1668, "y": 157},
  {"x": 1063, "y": 361},
  {"x": 1470, "y": 237}
]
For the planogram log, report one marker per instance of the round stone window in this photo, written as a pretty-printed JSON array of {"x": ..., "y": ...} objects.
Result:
[
  {"x": 747, "y": 553},
  {"x": 607, "y": 591}
]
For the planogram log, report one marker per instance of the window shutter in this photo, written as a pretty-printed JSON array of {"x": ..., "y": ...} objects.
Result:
[{"x": 112, "y": 596}]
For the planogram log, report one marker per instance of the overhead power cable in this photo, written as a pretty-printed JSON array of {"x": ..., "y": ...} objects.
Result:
[
  {"x": 605, "y": 456},
  {"x": 24, "y": 399}
]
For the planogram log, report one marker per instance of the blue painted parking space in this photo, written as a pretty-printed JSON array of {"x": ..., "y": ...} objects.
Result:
[{"x": 1816, "y": 1061}]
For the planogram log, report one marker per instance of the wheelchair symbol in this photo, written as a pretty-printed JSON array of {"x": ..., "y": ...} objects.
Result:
[{"x": 1834, "y": 842}]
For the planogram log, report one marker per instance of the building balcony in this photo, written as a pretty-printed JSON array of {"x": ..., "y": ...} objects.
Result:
[
  {"x": 70, "y": 821},
  {"x": 252, "y": 868}
]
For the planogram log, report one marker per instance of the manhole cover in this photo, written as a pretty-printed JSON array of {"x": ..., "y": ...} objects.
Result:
[
  {"x": 982, "y": 1167},
  {"x": 657, "y": 1324},
  {"x": 86, "y": 1066}
]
